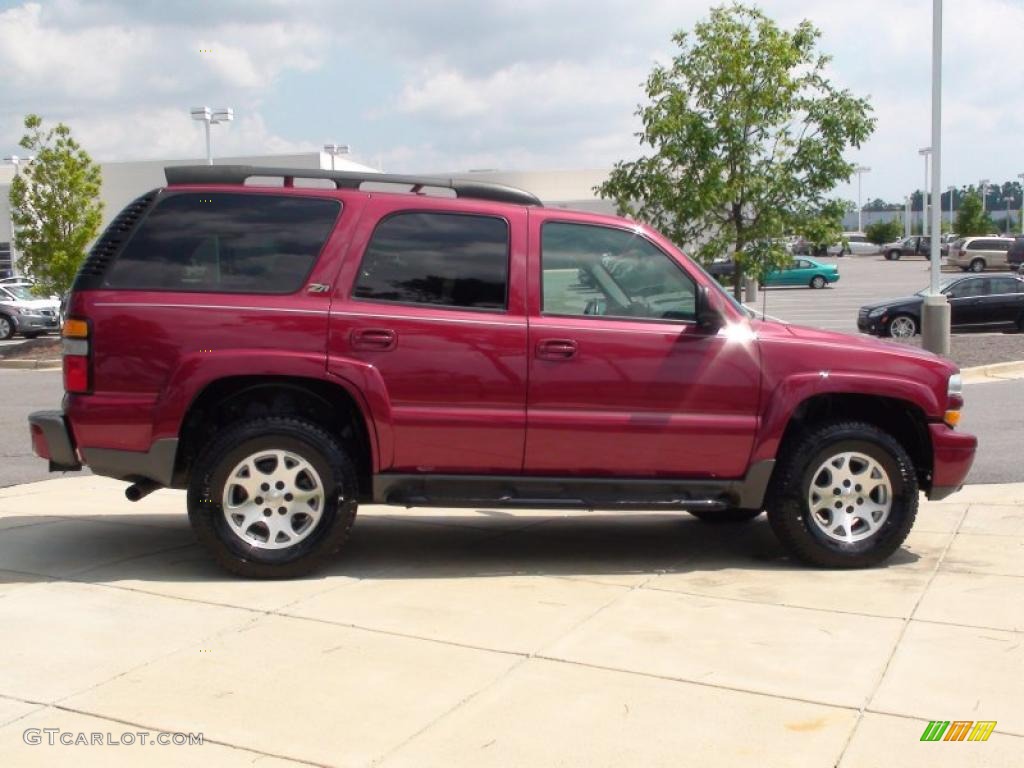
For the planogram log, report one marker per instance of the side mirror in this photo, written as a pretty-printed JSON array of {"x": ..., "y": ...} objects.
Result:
[{"x": 708, "y": 318}]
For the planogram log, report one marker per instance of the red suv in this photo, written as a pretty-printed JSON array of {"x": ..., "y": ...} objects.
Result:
[{"x": 287, "y": 349}]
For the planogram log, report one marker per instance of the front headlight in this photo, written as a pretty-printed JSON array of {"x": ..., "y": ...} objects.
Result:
[{"x": 877, "y": 312}]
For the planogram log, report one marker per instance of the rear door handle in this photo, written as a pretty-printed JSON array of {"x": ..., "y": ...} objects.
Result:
[
  {"x": 556, "y": 349},
  {"x": 378, "y": 339}
]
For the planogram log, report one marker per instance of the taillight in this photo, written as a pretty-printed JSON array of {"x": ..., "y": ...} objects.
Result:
[
  {"x": 963, "y": 254},
  {"x": 76, "y": 355}
]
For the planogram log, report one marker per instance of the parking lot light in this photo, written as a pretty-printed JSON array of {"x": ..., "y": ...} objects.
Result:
[
  {"x": 983, "y": 186},
  {"x": 860, "y": 170},
  {"x": 951, "y": 206},
  {"x": 210, "y": 117},
  {"x": 1007, "y": 200},
  {"x": 1021, "y": 177},
  {"x": 925, "y": 152},
  {"x": 334, "y": 150},
  {"x": 935, "y": 309}
]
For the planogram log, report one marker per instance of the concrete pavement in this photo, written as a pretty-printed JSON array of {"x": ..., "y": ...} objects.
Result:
[{"x": 470, "y": 637}]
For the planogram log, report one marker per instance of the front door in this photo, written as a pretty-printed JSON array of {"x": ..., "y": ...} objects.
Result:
[
  {"x": 431, "y": 300},
  {"x": 965, "y": 308},
  {"x": 622, "y": 380}
]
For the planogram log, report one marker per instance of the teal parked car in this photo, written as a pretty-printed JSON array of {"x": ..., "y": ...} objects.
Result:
[{"x": 804, "y": 271}]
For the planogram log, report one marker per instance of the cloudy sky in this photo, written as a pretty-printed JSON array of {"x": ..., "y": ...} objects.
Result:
[{"x": 459, "y": 84}]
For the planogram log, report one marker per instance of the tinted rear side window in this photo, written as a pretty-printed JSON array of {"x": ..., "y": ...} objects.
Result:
[
  {"x": 442, "y": 259},
  {"x": 233, "y": 243}
]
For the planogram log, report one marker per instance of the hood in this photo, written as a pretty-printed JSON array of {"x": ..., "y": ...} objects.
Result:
[
  {"x": 859, "y": 341},
  {"x": 893, "y": 244},
  {"x": 893, "y": 302},
  {"x": 31, "y": 303}
]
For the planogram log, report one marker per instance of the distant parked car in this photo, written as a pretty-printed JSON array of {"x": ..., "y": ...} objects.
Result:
[
  {"x": 977, "y": 254},
  {"x": 976, "y": 301},
  {"x": 915, "y": 245},
  {"x": 1015, "y": 255},
  {"x": 805, "y": 271},
  {"x": 722, "y": 269},
  {"x": 21, "y": 312},
  {"x": 852, "y": 243}
]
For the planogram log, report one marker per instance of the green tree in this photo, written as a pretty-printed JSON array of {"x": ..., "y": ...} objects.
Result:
[
  {"x": 970, "y": 218},
  {"x": 881, "y": 232},
  {"x": 55, "y": 206},
  {"x": 746, "y": 136}
]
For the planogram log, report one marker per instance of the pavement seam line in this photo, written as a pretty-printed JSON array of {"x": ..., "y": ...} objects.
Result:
[
  {"x": 525, "y": 658},
  {"x": 899, "y": 638}
]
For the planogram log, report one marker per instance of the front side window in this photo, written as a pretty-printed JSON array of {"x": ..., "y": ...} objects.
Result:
[
  {"x": 967, "y": 288},
  {"x": 594, "y": 270},
  {"x": 441, "y": 259},
  {"x": 225, "y": 242}
]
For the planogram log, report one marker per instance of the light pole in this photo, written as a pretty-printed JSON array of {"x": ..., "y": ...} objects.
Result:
[
  {"x": 16, "y": 161},
  {"x": 925, "y": 152},
  {"x": 334, "y": 150},
  {"x": 860, "y": 170},
  {"x": 1007, "y": 200},
  {"x": 983, "y": 185},
  {"x": 906, "y": 215},
  {"x": 951, "y": 204},
  {"x": 1021, "y": 177},
  {"x": 210, "y": 117},
  {"x": 935, "y": 309}
]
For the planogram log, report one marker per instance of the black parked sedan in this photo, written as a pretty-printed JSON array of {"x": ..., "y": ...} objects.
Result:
[{"x": 976, "y": 302}]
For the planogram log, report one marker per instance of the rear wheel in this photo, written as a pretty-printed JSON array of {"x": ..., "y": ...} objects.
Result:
[
  {"x": 977, "y": 265},
  {"x": 817, "y": 281},
  {"x": 273, "y": 497},
  {"x": 726, "y": 515},
  {"x": 844, "y": 497},
  {"x": 902, "y": 327}
]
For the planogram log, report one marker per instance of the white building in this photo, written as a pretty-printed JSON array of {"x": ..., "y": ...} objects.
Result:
[{"x": 124, "y": 181}]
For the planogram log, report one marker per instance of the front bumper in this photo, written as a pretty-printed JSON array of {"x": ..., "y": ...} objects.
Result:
[
  {"x": 872, "y": 325},
  {"x": 36, "y": 323},
  {"x": 51, "y": 439},
  {"x": 952, "y": 457}
]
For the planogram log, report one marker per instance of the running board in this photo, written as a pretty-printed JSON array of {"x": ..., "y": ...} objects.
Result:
[{"x": 513, "y": 491}]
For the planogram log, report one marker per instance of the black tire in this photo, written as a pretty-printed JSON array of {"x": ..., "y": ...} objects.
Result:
[
  {"x": 6, "y": 328},
  {"x": 309, "y": 441},
  {"x": 726, "y": 515},
  {"x": 817, "y": 282},
  {"x": 787, "y": 507},
  {"x": 894, "y": 255},
  {"x": 976, "y": 265}
]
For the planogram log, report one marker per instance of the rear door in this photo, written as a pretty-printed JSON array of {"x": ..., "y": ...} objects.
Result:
[
  {"x": 430, "y": 302},
  {"x": 1002, "y": 303}
]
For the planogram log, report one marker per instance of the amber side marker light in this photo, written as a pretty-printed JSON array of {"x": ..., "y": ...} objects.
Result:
[
  {"x": 954, "y": 400},
  {"x": 75, "y": 329}
]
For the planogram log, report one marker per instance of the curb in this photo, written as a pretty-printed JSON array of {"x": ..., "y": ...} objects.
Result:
[
  {"x": 1008, "y": 371},
  {"x": 48, "y": 364}
]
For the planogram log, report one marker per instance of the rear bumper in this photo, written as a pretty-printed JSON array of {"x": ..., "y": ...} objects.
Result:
[
  {"x": 51, "y": 439},
  {"x": 953, "y": 455}
]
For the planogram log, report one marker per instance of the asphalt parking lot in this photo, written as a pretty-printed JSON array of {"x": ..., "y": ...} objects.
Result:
[{"x": 862, "y": 279}]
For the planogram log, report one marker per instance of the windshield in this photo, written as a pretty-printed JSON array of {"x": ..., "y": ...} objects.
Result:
[
  {"x": 20, "y": 292},
  {"x": 944, "y": 284}
]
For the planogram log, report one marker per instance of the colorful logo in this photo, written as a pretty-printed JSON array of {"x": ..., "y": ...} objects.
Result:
[{"x": 958, "y": 730}]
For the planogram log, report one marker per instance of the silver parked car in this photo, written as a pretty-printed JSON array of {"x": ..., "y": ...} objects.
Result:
[{"x": 22, "y": 312}]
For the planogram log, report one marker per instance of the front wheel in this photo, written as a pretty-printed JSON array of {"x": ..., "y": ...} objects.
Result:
[
  {"x": 817, "y": 281},
  {"x": 893, "y": 255},
  {"x": 6, "y": 328},
  {"x": 902, "y": 327},
  {"x": 844, "y": 497},
  {"x": 273, "y": 497}
]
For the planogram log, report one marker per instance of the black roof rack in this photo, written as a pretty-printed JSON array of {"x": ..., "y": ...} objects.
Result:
[{"x": 237, "y": 174}]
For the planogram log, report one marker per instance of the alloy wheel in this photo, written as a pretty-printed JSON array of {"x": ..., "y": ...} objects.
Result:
[
  {"x": 850, "y": 497},
  {"x": 902, "y": 327},
  {"x": 273, "y": 499}
]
